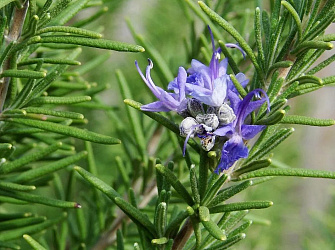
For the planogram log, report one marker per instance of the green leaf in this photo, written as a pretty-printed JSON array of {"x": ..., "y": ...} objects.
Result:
[
  {"x": 6, "y": 149},
  {"x": 212, "y": 228},
  {"x": 194, "y": 185},
  {"x": 20, "y": 222},
  {"x": 258, "y": 36},
  {"x": 33, "y": 198},
  {"x": 48, "y": 168},
  {"x": 66, "y": 130},
  {"x": 72, "y": 30},
  {"x": 9, "y": 186},
  {"x": 312, "y": 45},
  {"x": 33, "y": 243},
  {"x": 99, "y": 184},
  {"x": 23, "y": 74},
  {"x": 272, "y": 119},
  {"x": 240, "y": 206},
  {"x": 58, "y": 113},
  {"x": 8, "y": 167},
  {"x": 295, "y": 16},
  {"x": 227, "y": 243},
  {"x": 136, "y": 215},
  {"x": 234, "y": 33},
  {"x": 89, "y": 42},
  {"x": 17, "y": 233},
  {"x": 298, "y": 172},
  {"x": 175, "y": 183},
  {"x": 59, "y": 100},
  {"x": 238, "y": 86},
  {"x": 160, "y": 219},
  {"x": 176, "y": 222},
  {"x": 304, "y": 120},
  {"x": 252, "y": 166},
  {"x": 212, "y": 191},
  {"x": 48, "y": 61},
  {"x": 229, "y": 192}
]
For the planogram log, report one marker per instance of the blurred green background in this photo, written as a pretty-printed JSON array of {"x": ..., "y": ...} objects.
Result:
[{"x": 303, "y": 213}]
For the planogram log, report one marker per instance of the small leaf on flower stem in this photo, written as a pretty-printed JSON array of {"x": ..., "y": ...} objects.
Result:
[
  {"x": 312, "y": 45},
  {"x": 272, "y": 119},
  {"x": 160, "y": 241},
  {"x": 160, "y": 219},
  {"x": 304, "y": 120},
  {"x": 240, "y": 206},
  {"x": 33, "y": 243},
  {"x": 240, "y": 229},
  {"x": 252, "y": 166},
  {"x": 272, "y": 142},
  {"x": 175, "y": 183},
  {"x": 17, "y": 233},
  {"x": 211, "y": 226},
  {"x": 295, "y": 16},
  {"x": 66, "y": 130},
  {"x": 194, "y": 185},
  {"x": 176, "y": 222},
  {"x": 229, "y": 192},
  {"x": 212, "y": 191},
  {"x": 298, "y": 172},
  {"x": 227, "y": 243}
]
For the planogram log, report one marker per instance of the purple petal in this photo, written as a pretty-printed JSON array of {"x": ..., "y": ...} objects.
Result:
[
  {"x": 235, "y": 46},
  {"x": 155, "y": 107},
  {"x": 223, "y": 67},
  {"x": 233, "y": 150},
  {"x": 250, "y": 131},
  {"x": 181, "y": 79},
  {"x": 223, "y": 131}
]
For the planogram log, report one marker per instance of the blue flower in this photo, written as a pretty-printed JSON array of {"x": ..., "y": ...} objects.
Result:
[
  {"x": 209, "y": 84},
  {"x": 167, "y": 101},
  {"x": 234, "y": 148}
]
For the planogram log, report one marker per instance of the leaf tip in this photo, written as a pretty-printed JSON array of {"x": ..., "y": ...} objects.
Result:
[{"x": 77, "y": 205}]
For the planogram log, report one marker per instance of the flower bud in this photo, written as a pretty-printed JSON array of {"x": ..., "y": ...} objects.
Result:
[
  {"x": 194, "y": 107},
  {"x": 226, "y": 114},
  {"x": 210, "y": 120},
  {"x": 187, "y": 125}
]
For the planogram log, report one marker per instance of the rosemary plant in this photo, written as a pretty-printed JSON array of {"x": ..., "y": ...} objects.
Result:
[{"x": 208, "y": 136}]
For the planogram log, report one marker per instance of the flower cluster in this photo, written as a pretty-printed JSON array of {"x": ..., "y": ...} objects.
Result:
[{"x": 211, "y": 106}]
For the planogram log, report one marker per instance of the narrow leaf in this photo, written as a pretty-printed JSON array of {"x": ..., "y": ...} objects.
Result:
[
  {"x": 66, "y": 130},
  {"x": 23, "y": 74},
  {"x": 228, "y": 243},
  {"x": 33, "y": 198},
  {"x": 240, "y": 206},
  {"x": 21, "y": 222},
  {"x": 298, "y": 172},
  {"x": 33, "y": 243},
  {"x": 49, "y": 168},
  {"x": 135, "y": 214},
  {"x": 59, "y": 100},
  {"x": 95, "y": 43},
  {"x": 17, "y": 233},
  {"x": 304, "y": 120},
  {"x": 22, "y": 161},
  {"x": 72, "y": 30},
  {"x": 212, "y": 191},
  {"x": 175, "y": 183}
]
